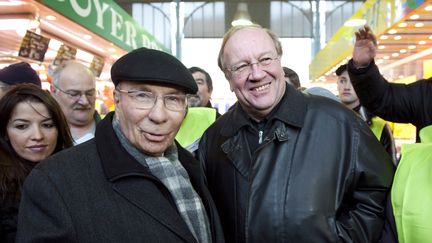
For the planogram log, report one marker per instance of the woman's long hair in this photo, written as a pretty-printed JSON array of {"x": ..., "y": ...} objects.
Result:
[{"x": 12, "y": 168}]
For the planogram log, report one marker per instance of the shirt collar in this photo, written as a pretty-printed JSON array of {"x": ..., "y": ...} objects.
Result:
[{"x": 291, "y": 110}]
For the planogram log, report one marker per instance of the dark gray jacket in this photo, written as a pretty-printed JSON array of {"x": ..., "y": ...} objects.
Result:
[{"x": 97, "y": 192}]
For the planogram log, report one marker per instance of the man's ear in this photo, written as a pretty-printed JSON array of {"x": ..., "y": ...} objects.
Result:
[
  {"x": 116, "y": 97},
  {"x": 187, "y": 109},
  {"x": 52, "y": 89}
]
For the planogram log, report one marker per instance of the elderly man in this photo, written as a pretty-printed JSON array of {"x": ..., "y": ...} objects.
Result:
[
  {"x": 283, "y": 166},
  {"x": 74, "y": 88},
  {"x": 132, "y": 182}
]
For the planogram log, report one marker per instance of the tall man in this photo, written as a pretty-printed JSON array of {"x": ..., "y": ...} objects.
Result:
[
  {"x": 350, "y": 99},
  {"x": 286, "y": 167},
  {"x": 74, "y": 88},
  {"x": 132, "y": 182}
]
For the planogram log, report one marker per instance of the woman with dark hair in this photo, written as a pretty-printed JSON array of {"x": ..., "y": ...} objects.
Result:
[{"x": 32, "y": 127}]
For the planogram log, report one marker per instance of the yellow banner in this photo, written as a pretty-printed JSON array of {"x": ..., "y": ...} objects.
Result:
[{"x": 380, "y": 15}]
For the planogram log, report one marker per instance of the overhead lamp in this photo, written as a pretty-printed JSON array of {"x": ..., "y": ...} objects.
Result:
[
  {"x": 242, "y": 17},
  {"x": 392, "y": 31},
  {"x": 355, "y": 22},
  {"x": 415, "y": 16}
]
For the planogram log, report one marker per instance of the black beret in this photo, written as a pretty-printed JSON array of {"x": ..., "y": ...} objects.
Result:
[
  {"x": 19, "y": 73},
  {"x": 153, "y": 66}
]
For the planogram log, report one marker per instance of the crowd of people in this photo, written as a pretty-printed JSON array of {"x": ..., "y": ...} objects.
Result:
[{"x": 283, "y": 164}]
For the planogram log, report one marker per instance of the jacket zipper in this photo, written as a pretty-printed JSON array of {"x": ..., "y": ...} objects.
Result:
[{"x": 260, "y": 133}]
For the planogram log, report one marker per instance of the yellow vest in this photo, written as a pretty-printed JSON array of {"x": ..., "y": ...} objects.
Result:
[
  {"x": 411, "y": 193},
  {"x": 377, "y": 126},
  {"x": 197, "y": 120}
]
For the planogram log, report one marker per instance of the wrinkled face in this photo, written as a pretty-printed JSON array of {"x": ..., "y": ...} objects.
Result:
[
  {"x": 346, "y": 91},
  {"x": 31, "y": 131},
  {"x": 203, "y": 90},
  {"x": 152, "y": 130},
  {"x": 261, "y": 88},
  {"x": 76, "y": 94}
]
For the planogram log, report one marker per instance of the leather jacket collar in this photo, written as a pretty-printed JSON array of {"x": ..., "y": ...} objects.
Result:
[{"x": 291, "y": 110}]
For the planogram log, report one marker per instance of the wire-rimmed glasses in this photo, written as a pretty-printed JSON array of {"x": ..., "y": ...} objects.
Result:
[
  {"x": 76, "y": 94},
  {"x": 146, "y": 100},
  {"x": 244, "y": 69}
]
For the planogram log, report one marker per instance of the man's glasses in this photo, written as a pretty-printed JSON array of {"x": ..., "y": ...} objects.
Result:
[
  {"x": 76, "y": 94},
  {"x": 246, "y": 68},
  {"x": 146, "y": 100}
]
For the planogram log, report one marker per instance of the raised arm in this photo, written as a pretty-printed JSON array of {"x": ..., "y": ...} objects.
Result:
[
  {"x": 405, "y": 103},
  {"x": 365, "y": 47}
]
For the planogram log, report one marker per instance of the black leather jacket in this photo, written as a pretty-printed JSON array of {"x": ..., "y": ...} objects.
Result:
[{"x": 320, "y": 175}]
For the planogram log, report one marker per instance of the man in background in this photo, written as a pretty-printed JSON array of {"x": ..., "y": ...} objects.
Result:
[
  {"x": 292, "y": 78},
  {"x": 350, "y": 99},
  {"x": 17, "y": 73},
  {"x": 74, "y": 88},
  {"x": 205, "y": 88}
]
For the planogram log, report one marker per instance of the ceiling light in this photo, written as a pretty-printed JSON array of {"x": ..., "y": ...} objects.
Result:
[
  {"x": 415, "y": 16},
  {"x": 379, "y": 61},
  {"x": 401, "y": 76},
  {"x": 67, "y": 34},
  {"x": 85, "y": 56},
  {"x": 395, "y": 54},
  {"x": 428, "y": 8},
  {"x": 392, "y": 31},
  {"x": 51, "y": 17},
  {"x": 422, "y": 42},
  {"x": 386, "y": 57},
  {"x": 381, "y": 47},
  {"x": 411, "y": 47},
  {"x": 419, "y": 24},
  {"x": 403, "y": 51},
  {"x": 402, "y": 25},
  {"x": 54, "y": 44},
  {"x": 242, "y": 17},
  {"x": 384, "y": 37},
  {"x": 11, "y": 3},
  {"x": 355, "y": 22},
  {"x": 14, "y": 24},
  {"x": 398, "y": 37}
]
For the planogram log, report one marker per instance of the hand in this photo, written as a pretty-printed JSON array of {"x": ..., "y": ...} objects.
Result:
[{"x": 365, "y": 47}]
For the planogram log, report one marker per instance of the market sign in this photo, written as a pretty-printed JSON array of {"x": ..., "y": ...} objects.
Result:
[
  {"x": 33, "y": 46},
  {"x": 107, "y": 19},
  {"x": 379, "y": 15},
  {"x": 64, "y": 54}
]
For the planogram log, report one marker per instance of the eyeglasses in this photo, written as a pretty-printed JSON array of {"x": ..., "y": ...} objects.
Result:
[
  {"x": 246, "y": 68},
  {"x": 76, "y": 94},
  {"x": 146, "y": 100}
]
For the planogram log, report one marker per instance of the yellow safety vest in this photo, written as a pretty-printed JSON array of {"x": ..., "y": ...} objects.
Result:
[
  {"x": 411, "y": 193},
  {"x": 377, "y": 126},
  {"x": 197, "y": 120}
]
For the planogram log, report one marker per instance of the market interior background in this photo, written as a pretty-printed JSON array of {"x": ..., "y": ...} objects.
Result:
[{"x": 316, "y": 35}]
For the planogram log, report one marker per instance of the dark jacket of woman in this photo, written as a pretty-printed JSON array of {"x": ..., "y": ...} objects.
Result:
[
  {"x": 319, "y": 175},
  {"x": 97, "y": 192}
]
